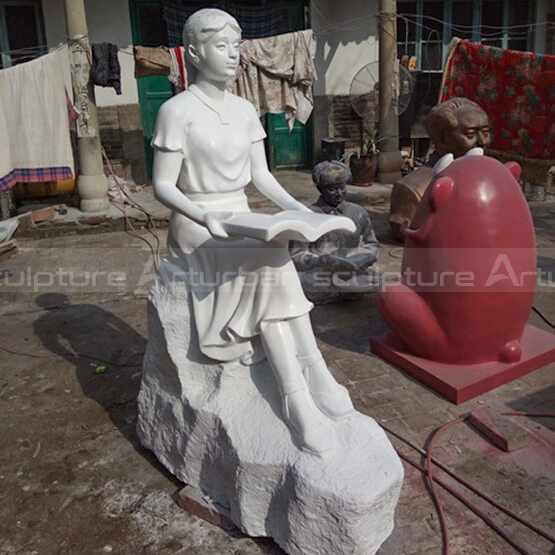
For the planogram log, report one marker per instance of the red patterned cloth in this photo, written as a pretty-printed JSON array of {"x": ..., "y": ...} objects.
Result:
[
  {"x": 34, "y": 175},
  {"x": 181, "y": 63},
  {"x": 72, "y": 113},
  {"x": 516, "y": 89}
]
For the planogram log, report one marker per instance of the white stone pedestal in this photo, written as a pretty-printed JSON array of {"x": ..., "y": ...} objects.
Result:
[{"x": 218, "y": 427}]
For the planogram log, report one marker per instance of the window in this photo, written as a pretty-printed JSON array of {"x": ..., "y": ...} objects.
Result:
[
  {"x": 21, "y": 31},
  {"x": 432, "y": 35},
  {"x": 425, "y": 27}
]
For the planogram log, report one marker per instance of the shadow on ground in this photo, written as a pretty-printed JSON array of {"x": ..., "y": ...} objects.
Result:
[
  {"x": 90, "y": 331},
  {"x": 348, "y": 325},
  {"x": 541, "y": 401}
]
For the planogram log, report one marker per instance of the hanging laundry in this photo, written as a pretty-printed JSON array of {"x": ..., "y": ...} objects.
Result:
[
  {"x": 514, "y": 88},
  {"x": 35, "y": 142},
  {"x": 105, "y": 68},
  {"x": 161, "y": 60},
  {"x": 7, "y": 179},
  {"x": 178, "y": 73},
  {"x": 276, "y": 74},
  {"x": 151, "y": 61}
]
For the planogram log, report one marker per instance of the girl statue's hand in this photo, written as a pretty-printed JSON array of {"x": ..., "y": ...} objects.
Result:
[{"x": 213, "y": 221}]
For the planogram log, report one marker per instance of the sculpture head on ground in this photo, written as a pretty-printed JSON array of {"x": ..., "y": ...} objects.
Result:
[
  {"x": 455, "y": 126},
  {"x": 337, "y": 267}
]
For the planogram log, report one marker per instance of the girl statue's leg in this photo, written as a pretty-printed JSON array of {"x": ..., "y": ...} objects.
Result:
[
  {"x": 330, "y": 397},
  {"x": 299, "y": 412}
]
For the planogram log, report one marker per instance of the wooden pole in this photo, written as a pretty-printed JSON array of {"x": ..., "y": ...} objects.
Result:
[{"x": 388, "y": 126}]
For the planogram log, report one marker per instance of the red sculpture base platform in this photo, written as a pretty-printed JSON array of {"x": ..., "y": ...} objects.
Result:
[{"x": 460, "y": 382}]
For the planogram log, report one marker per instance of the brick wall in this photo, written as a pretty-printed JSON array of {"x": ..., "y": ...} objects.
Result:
[
  {"x": 121, "y": 135},
  {"x": 333, "y": 116},
  {"x": 110, "y": 132},
  {"x": 345, "y": 122}
]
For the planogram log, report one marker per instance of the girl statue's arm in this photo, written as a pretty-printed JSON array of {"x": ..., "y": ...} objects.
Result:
[
  {"x": 267, "y": 184},
  {"x": 165, "y": 172}
]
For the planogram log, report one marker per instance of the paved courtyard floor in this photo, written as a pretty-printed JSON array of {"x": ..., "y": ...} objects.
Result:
[{"x": 74, "y": 479}]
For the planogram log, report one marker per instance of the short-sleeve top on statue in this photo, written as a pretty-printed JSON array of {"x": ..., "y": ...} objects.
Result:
[{"x": 214, "y": 139}]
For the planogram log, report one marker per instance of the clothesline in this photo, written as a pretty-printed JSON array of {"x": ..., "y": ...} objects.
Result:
[
  {"x": 356, "y": 23},
  {"x": 470, "y": 27},
  {"x": 463, "y": 28},
  {"x": 43, "y": 50},
  {"x": 32, "y": 49},
  {"x": 345, "y": 26}
]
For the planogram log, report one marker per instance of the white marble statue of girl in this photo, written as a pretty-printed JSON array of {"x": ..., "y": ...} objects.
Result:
[{"x": 208, "y": 144}]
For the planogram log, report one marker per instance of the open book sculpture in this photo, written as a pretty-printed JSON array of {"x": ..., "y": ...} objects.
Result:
[
  {"x": 288, "y": 225},
  {"x": 236, "y": 398}
]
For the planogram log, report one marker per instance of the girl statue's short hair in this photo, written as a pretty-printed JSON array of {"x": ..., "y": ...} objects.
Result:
[{"x": 202, "y": 24}]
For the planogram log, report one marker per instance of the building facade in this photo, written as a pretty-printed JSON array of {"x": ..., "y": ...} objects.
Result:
[{"x": 347, "y": 41}]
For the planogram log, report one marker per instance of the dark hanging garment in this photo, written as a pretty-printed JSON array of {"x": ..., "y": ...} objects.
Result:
[{"x": 105, "y": 69}]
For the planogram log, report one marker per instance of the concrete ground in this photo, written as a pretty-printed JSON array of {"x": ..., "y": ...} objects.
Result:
[{"x": 73, "y": 478}]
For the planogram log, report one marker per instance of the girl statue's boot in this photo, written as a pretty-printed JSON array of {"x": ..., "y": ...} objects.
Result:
[
  {"x": 312, "y": 432},
  {"x": 330, "y": 397}
]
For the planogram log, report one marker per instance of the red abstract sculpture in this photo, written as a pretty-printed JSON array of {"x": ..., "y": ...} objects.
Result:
[{"x": 468, "y": 279}]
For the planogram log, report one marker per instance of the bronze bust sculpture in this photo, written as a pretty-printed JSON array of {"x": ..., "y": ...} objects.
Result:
[{"x": 455, "y": 126}]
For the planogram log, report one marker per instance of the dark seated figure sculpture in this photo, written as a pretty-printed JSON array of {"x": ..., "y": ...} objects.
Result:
[
  {"x": 337, "y": 266},
  {"x": 455, "y": 126}
]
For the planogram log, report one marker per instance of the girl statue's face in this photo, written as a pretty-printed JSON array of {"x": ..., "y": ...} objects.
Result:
[{"x": 218, "y": 57}]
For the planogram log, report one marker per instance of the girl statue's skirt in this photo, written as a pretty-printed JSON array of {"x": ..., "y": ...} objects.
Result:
[{"x": 235, "y": 284}]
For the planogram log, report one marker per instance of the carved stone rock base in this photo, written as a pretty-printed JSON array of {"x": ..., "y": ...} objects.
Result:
[{"x": 218, "y": 427}]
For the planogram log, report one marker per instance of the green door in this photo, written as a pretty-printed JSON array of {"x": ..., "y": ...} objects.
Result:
[
  {"x": 149, "y": 29},
  {"x": 287, "y": 149},
  {"x": 153, "y": 92}
]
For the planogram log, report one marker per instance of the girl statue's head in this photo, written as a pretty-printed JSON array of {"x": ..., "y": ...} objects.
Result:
[{"x": 211, "y": 39}]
